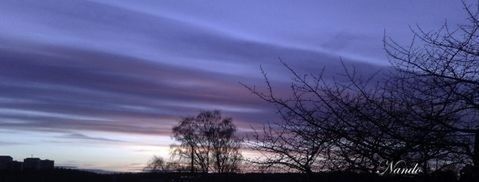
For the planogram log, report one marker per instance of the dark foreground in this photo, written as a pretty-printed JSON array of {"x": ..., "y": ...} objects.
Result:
[{"x": 63, "y": 175}]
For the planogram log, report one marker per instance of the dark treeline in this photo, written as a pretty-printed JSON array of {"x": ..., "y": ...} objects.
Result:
[{"x": 62, "y": 175}]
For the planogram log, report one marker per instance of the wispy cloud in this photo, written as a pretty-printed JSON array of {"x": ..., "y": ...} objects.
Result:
[
  {"x": 89, "y": 138},
  {"x": 72, "y": 67},
  {"x": 75, "y": 87}
]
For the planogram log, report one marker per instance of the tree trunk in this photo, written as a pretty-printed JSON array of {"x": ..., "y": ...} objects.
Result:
[
  {"x": 475, "y": 157},
  {"x": 192, "y": 160}
]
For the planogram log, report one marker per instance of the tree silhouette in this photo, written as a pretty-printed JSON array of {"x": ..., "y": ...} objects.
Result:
[
  {"x": 423, "y": 110},
  {"x": 208, "y": 142},
  {"x": 156, "y": 164},
  {"x": 295, "y": 142},
  {"x": 443, "y": 67}
]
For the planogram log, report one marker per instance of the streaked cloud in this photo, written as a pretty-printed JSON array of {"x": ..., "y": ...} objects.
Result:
[{"x": 72, "y": 69}]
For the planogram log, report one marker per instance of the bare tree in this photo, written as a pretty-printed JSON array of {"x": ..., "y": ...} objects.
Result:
[
  {"x": 208, "y": 141},
  {"x": 224, "y": 144},
  {"x": 186, "y": 133},
  {"x": 425, "y": 110},
  {"x": 353, "y": 125},
  {"x": 156, "y": 164},
  {"x": 295, "y": 142},
  {"x": 445, "y": 65}
]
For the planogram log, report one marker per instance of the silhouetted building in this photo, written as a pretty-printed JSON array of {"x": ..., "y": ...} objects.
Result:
[
  {"x": 31, "y": 163},
  {"x": 16, "y": 166},
  {"x": 37, "y": 164},
  {"x": 46, "y": 164},
  {"x": 5, "y": 162}
]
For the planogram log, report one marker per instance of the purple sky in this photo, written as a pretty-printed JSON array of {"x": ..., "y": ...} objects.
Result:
[{"x": 98, "y": 84}]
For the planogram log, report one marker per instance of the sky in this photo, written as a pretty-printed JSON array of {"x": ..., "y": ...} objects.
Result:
[{"x": 99, "y": 84}]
